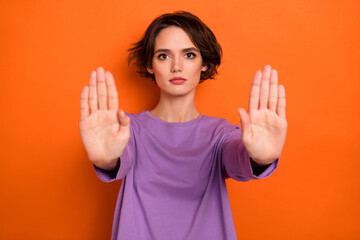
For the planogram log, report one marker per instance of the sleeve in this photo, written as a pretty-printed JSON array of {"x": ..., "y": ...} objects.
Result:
[
  {"x": 126, "y": 161},
  {"x": 236, "y": 162}
]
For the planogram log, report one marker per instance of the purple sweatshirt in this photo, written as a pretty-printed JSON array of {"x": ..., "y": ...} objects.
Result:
[{"x": 174, "y": 179}]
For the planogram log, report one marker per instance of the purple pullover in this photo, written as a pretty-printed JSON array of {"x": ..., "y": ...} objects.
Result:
[{"x": 174, "y": 179}]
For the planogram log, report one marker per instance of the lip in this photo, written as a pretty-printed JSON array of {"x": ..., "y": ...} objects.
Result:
[{"x": 177, "y": 80}]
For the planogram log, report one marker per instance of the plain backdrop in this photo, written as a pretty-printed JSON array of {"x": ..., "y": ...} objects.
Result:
[{"x": 48, "y": 188}]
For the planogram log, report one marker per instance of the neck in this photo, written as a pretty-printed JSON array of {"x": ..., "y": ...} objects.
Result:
[{"x": 176, "y": 108}]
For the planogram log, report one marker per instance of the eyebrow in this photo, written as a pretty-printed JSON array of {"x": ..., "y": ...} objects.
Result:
[{"x": 183, "y": 50}]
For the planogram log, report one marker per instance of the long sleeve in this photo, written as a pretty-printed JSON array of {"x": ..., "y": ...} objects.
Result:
[
  {"x": 126, "y": 162},
  {"x": 236, "y": 161},
  {"x": 173, "y": 176}
]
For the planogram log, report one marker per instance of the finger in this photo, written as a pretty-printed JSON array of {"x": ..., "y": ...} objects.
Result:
[
  {"x": 84, "y": 105},
  {"x": 264, "y": 86},
  {"x": 245, "y": 123},
  {"x": 281, "y": 102},
  {"x": 92, "y": 92},
  {"x": 123, "y": 119},
  {"x": 101, "y": 88},
  {"x": 124, "y": 122},
  {"x": 273, "y": 90},
  {"x": 254, "y": 92},
  {"x": 112, "y": 92}
]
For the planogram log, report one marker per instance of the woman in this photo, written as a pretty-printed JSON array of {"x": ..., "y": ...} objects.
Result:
[{"x": 173, "y": 160}]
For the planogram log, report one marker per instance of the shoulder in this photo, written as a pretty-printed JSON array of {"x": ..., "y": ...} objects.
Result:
[
  {"x": 136, "y": 119},
  {"x": 135, "y": 115},
  {"x": 214, "y": 120},
  {"x": 206, "y": 123},
  {"x": 218, "y": 125}
]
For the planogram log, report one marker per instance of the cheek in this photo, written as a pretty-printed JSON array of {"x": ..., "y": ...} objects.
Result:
[
  {"x": 160, "y": 75},
  {"x": 192, "y": 66},
  {"x": 197, "y": 69},
  {"x": 159, "y": 69}
]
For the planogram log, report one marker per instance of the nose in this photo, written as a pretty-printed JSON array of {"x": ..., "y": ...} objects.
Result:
[{"x": 176, "y": 65}]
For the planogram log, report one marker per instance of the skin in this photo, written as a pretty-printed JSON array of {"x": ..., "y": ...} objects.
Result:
[
  {"x": 176, "y": 56},
  {"x": 105, "y": 130}
]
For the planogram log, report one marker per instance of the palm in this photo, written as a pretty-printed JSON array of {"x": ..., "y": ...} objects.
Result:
[
  {"x": 101, "y": 136},
  {"x": 264, "y": 127},
  {"x": 106, "y": 131}
]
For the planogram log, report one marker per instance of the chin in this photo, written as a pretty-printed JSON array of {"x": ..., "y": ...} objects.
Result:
[{"x": 178, "y": 93}]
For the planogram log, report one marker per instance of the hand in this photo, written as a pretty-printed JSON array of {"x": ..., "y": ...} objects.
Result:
[
  {"x": 264, "y": 126},
  {"x": 106, "y": 130}
]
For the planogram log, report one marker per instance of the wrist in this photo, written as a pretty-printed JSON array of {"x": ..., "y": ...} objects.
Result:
[
  {"x": 108, "y": 165},
  {"x": 257, "y": 163}
]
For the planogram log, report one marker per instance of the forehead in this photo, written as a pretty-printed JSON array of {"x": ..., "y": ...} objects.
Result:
[{"x": 173, "y": 38}]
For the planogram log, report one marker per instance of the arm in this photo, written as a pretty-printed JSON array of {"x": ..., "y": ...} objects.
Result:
[
  {"x": 264, "y": 126},
  {"x": 237, "y": 163},
  {"x": 104, "y": 130}
]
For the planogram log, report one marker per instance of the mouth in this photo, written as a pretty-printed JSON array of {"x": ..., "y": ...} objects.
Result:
[{"x": 177, "y": 80}]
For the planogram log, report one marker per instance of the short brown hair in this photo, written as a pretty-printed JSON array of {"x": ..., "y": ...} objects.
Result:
[{"x": 203, "y": 38}]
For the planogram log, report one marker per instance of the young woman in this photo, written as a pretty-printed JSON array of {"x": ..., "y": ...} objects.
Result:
[{"x": 173, "y": 160}]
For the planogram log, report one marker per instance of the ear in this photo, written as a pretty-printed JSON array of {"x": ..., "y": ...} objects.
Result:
[
  {"x": 149, "y": 69},
  {"x": 204, "y": 68}
]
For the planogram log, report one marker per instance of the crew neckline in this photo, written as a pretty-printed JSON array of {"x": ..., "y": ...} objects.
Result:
[{"x": 173, "y": 124}]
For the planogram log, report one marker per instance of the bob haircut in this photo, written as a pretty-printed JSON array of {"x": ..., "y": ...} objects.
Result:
[{"x": 202, "y": 37}]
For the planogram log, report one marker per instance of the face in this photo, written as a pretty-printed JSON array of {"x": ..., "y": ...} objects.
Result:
[{"x": 177, "y": 63}]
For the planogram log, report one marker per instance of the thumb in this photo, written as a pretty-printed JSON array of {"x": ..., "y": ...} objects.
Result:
[
  {"x": 124, "y": 120},
  {"x": 245, "y": 123}
]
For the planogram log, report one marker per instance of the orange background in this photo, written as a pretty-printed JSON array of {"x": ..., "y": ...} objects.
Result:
[{"x": 49, "y": 189}]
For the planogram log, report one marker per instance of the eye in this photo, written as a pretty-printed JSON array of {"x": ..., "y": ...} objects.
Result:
[
  {"x": 190, "y": 55},
  {"x": 163, "y": 56}
]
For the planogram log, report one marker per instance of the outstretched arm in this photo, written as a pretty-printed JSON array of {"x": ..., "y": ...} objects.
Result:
[
  {"x": 104, "y": 129},
  {"x": 264, "y": 126}
]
